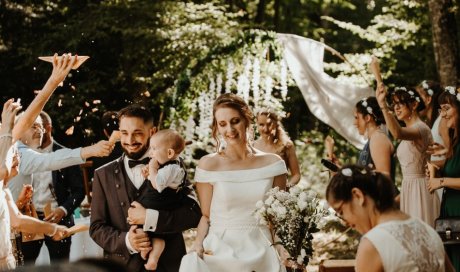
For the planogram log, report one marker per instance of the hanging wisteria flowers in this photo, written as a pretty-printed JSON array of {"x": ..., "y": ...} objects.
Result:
[{"x": 294, "y": 217}]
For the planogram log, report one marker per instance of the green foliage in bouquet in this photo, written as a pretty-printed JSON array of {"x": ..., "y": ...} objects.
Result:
[{"x": 294, "y": 217}]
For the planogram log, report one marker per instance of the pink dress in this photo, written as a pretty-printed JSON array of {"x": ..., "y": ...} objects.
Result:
[{"x": 416, "y": 200}]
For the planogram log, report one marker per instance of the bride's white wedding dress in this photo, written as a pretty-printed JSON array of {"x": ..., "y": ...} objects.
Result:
[{"x": 235, "y": 241}]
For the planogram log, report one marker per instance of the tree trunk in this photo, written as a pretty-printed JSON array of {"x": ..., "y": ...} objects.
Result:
[
  {"x": 276, "y": 19},
  {"x": 260, "y": 16},
  {"x": 445, "y": 45}
]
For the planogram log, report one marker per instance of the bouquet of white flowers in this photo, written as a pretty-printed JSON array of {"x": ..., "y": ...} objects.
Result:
[{"x": 294, "y": 217}]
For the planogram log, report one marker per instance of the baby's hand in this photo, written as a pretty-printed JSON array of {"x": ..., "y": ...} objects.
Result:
[
  {"x": 153, "y": 165},
  {"x": 145, "y": 171}
]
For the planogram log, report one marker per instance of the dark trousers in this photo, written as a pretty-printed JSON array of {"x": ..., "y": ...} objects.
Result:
[{"x": 58, "y": 250}]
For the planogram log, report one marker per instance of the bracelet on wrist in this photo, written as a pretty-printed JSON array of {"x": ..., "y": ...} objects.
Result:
[
  {"x": 4, "y": 135},
  {"x": 441, "y": 182}
]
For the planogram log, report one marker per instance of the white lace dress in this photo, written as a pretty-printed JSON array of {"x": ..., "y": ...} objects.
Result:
[
  {"x": 7, "y": 260},
  {"x": 235, "y": 241},
  {"x": 407, "y": 246}
]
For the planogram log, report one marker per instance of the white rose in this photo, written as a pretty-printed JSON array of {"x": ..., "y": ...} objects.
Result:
[
  {"x": 259, "y": 204},
  {"x": 303, "y": 253},
  {"x": 299, "y": 259},
  {"x": 302, "y": 204},
  {"x": 303, "y": 196},
  {"x": 269, "y": 200}
]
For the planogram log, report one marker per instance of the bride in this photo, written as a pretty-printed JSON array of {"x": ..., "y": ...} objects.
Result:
[{"x": 229, "y": 183}]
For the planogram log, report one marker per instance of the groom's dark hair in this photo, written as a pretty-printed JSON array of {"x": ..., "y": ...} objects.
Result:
[{"x": 138, "y": 111}]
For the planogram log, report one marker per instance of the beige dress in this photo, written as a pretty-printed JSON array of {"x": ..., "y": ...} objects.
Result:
[{"x": 416, "y": 200}]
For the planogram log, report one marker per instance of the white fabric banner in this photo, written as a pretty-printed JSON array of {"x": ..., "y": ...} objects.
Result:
[{"x": 329, "y": 100}]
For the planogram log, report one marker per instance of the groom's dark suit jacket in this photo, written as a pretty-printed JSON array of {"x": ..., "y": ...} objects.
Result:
[{"x": 112, "y": 194}]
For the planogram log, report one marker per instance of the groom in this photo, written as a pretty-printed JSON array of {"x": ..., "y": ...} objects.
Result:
[{"x": 117, "y": 184}]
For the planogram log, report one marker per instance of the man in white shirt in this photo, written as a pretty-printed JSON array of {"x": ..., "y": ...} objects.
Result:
[{"x": 117, "y": 184}]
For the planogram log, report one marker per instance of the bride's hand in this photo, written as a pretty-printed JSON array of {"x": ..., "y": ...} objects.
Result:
[{"x": 198, "y": 248}]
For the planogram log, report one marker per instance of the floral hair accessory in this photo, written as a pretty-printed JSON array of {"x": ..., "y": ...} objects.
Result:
[
  {"x": 347, "y": 172},
  {"x": 410, "y": 92},
  {"x": 452, "y": 91},
  {"x": 366, "y": 106},
  {"x": 426, "y": 87}
]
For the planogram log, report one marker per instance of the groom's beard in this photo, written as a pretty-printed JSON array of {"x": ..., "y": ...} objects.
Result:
[{"x": 136, "y": 155}]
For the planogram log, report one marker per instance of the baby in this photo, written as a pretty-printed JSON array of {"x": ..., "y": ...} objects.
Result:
[{"x": 167, "y": 184}]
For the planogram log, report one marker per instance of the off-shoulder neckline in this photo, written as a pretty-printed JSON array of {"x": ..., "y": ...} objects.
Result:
[{"x": 239, "y": 170}]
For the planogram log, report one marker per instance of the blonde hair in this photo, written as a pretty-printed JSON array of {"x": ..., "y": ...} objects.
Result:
[{"x": 279, "y": 138}]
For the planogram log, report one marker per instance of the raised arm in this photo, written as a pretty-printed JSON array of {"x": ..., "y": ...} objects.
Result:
[
  {"x": 61, "y": 67},
  {"x": 402, "y": 133},
  {"x": 9, "y": 112}
]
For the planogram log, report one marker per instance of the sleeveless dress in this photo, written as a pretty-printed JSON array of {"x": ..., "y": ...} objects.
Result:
[
  {"x": 7, "y": 260},
  {"x": 416, "y": 200},
  {"x": 407, "y": 245},
  {"x": 451, "y": 202},
  {"x": 365, "y": 159},
  {"x": 235, "y": 241}
]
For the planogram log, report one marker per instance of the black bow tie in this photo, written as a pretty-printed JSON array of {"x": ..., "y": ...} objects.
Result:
[{"x": 133, "y": 163}]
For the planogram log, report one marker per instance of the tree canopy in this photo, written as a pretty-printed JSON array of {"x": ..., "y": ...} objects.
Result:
[{"x": 165, "y": 53}]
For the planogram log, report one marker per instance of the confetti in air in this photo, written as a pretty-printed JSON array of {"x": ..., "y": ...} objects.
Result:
[{"x": 69, "y": 131}]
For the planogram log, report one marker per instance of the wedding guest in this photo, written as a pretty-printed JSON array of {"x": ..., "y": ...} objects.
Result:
[
  {"x": 378, "y": 152},
  {"x": 167, "y": 185},
  {"x": 10, "y": 217},
  {"x": 450, "y": 180},
  {"x": 415, "y": 138},
  {"x": 62, "y": 190},
  {"x": 9, "y": 133},
  {"x": 392, "y": 240},
  {"x": 229, "y": 184},
  {"x": 429, "y": 92},
  {"x": 274, "y": 139},
  {"x": 33, "y": 162},
  {"x": 117, "y": 184}
]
